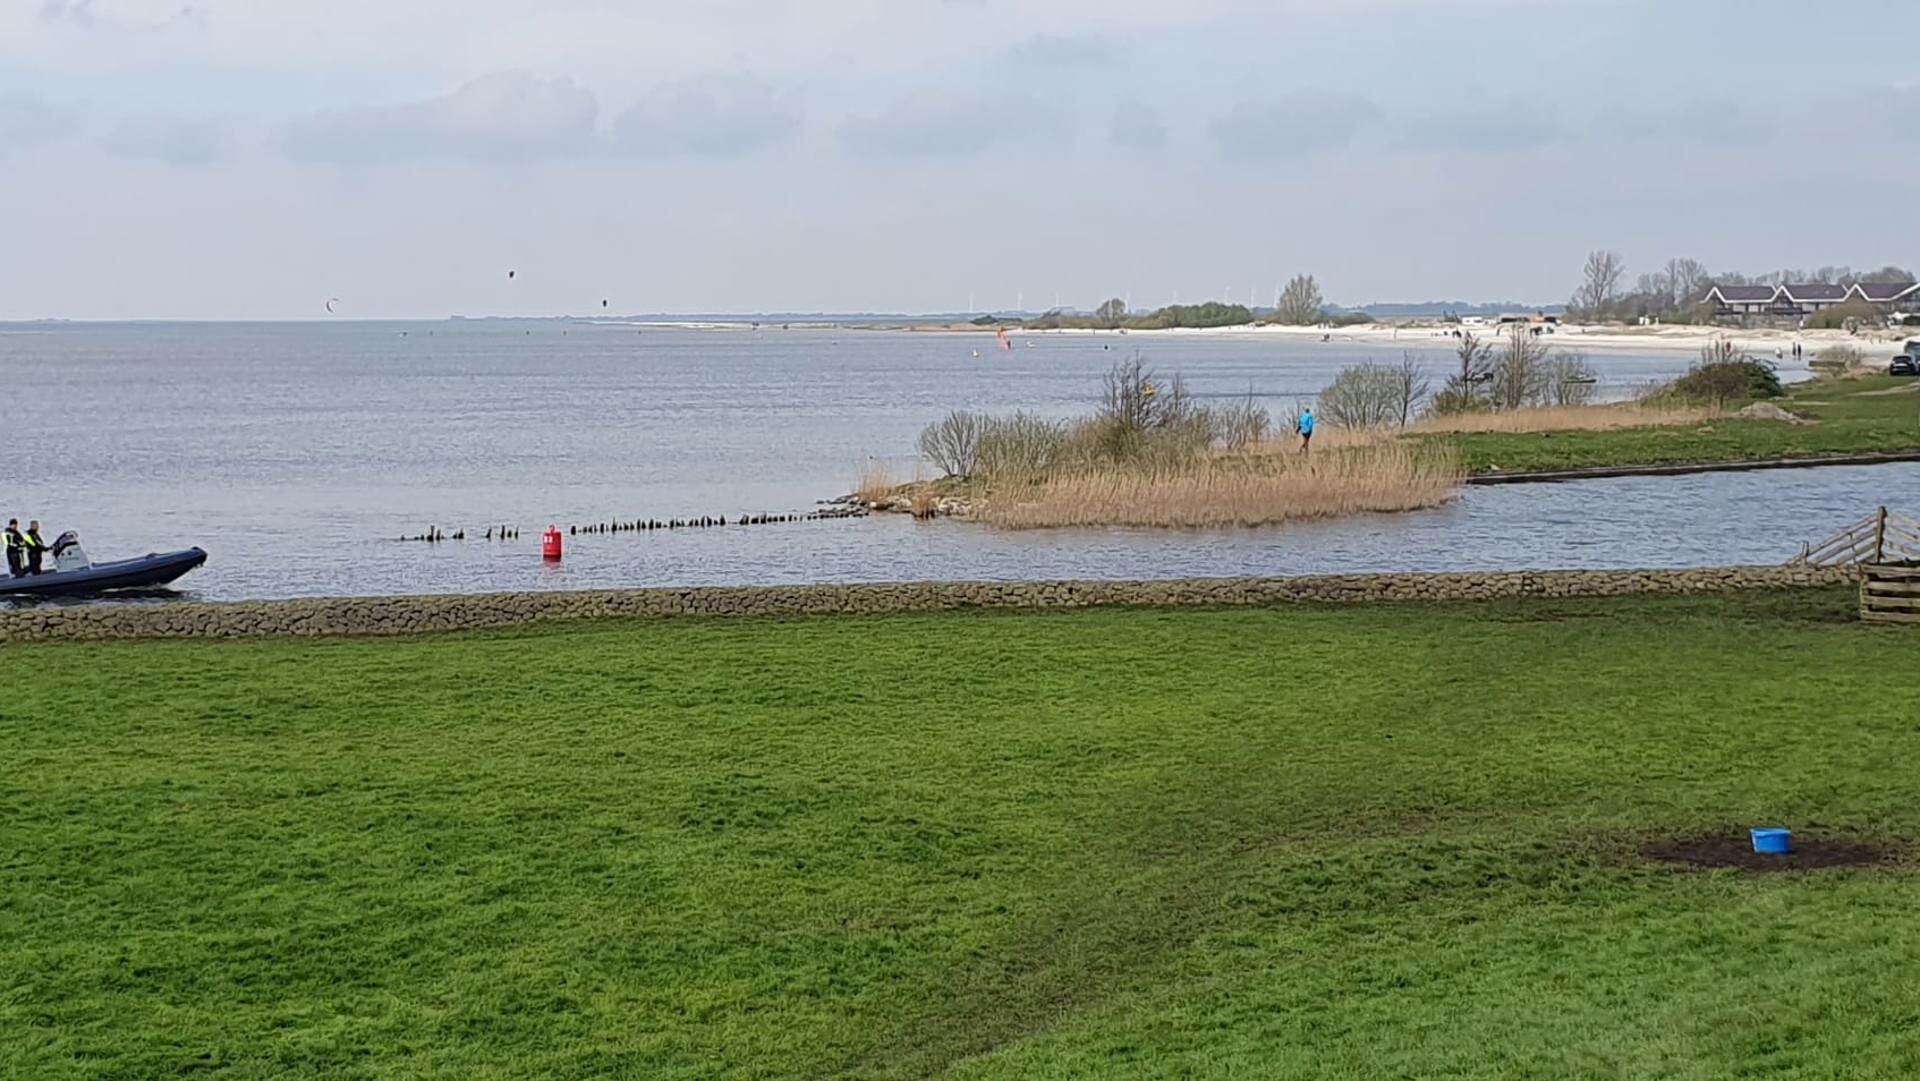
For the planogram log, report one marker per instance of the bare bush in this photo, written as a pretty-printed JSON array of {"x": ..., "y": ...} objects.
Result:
[
  {"x": 1570, "y": 380},
  {"x": 1520, "y": 371},
  {"x": 953, "y": 444},
  {"x": 1240, "y": 425},
  {"x": 1022, "y": 445},
  {"x": 1364, "y": 396}
]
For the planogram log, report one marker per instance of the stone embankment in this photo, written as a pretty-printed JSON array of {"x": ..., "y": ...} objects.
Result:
[{"x": 363, "y": 616}]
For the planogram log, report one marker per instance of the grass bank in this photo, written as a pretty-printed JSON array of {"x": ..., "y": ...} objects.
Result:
[
  {"x": 1289, "y": 843},
  {"x": 1851, "y": 416}
]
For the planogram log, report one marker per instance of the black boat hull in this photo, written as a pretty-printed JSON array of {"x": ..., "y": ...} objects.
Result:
[{"x": 146, "y": 572}]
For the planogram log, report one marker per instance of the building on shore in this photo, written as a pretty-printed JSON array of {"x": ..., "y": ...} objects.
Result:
[{"x": 1799, "y": 300}]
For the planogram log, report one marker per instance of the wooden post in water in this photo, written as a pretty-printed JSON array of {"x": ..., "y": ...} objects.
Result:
[{"x": 1880, "y": 536}]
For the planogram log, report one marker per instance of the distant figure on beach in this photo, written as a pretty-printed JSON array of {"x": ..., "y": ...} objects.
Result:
[
  {"x": 1306, "y": 430},
  {"x": 16, "y": 549}
]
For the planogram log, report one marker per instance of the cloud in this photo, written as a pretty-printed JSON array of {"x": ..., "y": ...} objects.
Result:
[
  {"x": 929, "y": 124},
  {"x": 1055, "y": 51},
  {"x": 1297, "y": 125},
  {"x": 1137, "y": 126},
  {"x": 29, "y": 122},
  {"x": 508, "y": 116},
  {"x": 174, "y": 139},
  {"x": 1511, "y": 126},
  {"x": 81, "y": 13},
  {"x": 1706, "y": 121},
  {"x": 716, "y": 116},
  {"x": 78, "y": 12}
]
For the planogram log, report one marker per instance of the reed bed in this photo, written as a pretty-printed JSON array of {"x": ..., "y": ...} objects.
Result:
[
  {"x": 1567, "y": 418},
  {"x": 878, "y": 483},
  {"x": 1379, "y": 476}
]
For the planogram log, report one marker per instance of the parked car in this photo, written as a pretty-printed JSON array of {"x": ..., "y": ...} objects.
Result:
[{"x": 1907, "y": 361}]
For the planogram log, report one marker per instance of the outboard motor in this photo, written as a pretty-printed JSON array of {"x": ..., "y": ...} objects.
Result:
[{"x": 67, "y": 553}]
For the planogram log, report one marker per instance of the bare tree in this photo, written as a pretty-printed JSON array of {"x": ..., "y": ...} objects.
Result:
[
  {"x": 1599, "y": 284},
  {"x": 1410, "y": 386},
  {"x": 1465, "y": 389},
  {"x": 1520, "y": 371},
  {"x": 1687, "y": 282},
  {"x": 1299, "y": 303},
  {"x": 953, "y": 443}
]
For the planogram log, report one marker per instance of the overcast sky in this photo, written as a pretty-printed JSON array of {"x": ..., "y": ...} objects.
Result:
[{"x": 252, "y": 158}]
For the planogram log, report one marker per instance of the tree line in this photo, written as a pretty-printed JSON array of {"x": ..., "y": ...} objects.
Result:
[{"x": 1300, "y": 303}]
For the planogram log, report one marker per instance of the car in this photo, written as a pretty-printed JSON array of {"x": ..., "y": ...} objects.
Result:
[{"x": 1904, "y": 364}]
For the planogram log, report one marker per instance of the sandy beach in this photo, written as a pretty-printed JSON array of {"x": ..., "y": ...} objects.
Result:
[{"x": 1575, "y": 338}]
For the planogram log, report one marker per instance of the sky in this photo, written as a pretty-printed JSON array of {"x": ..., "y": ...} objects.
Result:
[{"x": 253, "y": 159}]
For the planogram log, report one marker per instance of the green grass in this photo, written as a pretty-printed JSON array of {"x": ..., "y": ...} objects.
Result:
[
  {"x": 1290, "y": 843},
  {"x": 1853, "y": 419}
]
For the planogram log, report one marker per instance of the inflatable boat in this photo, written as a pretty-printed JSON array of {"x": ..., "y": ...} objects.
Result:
[{"x": 74, "y": 575}]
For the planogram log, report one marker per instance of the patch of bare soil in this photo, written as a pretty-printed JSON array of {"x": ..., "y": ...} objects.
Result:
[{"x": 1733, "y": 849}]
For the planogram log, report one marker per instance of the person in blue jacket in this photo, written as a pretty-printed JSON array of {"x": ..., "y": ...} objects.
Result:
[{"x": 1306, "y": 430}]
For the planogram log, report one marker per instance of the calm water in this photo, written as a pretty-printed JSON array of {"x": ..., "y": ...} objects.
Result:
[{"x": 296, "y": 453}]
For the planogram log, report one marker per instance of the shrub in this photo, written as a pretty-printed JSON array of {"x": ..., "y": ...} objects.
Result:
[
  {"x": 1838, "y": 318},
  {"x": 1521, "y": 371},
  {"x": 1365, "y": 396},
  {"x": 1020, "y": 445},
  {"x": 1570, "y": 380},
  {"x": 1722, "y": 381},
  {"x": 953, "y": 444},
  {"x": 1239, "y": 425},
  {"x": 1454, "y": 401}
]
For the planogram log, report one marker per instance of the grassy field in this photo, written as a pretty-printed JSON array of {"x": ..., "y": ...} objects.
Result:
[
  {"x": 1878, "y": 413},
  {"x": 1306, "y": 843}
]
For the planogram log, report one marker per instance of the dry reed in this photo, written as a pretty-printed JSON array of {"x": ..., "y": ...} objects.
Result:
[
  {"x": 1566, "y": 418},
  {"x": 877, "y": 483},
  {"x": 1383, "y": 475}
]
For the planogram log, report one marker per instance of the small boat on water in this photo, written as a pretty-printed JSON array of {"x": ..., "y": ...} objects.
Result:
[{"x": 73, "y": 575}]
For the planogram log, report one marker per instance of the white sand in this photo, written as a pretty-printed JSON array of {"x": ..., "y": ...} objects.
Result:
[{"x": 1574, "y": 338}]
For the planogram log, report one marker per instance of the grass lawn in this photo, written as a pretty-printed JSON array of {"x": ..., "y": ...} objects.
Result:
[
  {"x": 1855, "y": 416},
  {"x": 1289, "y": 843}
]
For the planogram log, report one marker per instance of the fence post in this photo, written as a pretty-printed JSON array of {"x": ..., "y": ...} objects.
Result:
[{"x": 1880, "y": 536}]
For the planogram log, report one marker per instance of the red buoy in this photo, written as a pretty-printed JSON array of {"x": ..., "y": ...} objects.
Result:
[{"x": 550, "y": 543}]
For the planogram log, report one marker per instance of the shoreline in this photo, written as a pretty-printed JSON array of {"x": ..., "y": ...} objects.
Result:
[
  {"x": 410, "y": 616},
  {"x": 1573, "y": 337}
]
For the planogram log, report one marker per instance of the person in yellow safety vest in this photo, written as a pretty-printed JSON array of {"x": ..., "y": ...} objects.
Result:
[
  {"x": 16, "y": 549},
  {"x": 36, "y": 548}
]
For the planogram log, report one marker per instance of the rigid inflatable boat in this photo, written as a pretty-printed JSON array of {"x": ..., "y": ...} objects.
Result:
[{"x": 75, "y": 575}]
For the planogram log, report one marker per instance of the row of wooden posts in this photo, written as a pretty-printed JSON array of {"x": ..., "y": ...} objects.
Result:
[{"x": 436, "y": 535}]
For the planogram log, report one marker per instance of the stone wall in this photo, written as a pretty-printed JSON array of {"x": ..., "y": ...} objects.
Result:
[{"x": 426, "y": 615}]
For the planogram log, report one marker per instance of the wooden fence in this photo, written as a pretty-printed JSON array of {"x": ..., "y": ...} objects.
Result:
[
  {"x": 1880, "y": 537},
  {"x": 1890, "y": 593}
]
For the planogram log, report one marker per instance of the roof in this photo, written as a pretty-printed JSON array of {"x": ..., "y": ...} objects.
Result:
[
  {"x": 1736, "y": 294},
  {"x": 1882, "y": 292},
  {"x": 1815, "y": 291}
]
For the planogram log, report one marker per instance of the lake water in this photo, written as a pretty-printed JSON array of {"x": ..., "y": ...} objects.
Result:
[{"x": 297, "y": 453}]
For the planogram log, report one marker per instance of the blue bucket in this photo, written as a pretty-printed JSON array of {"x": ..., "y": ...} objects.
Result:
[{"x": 1773, "y": 842}]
